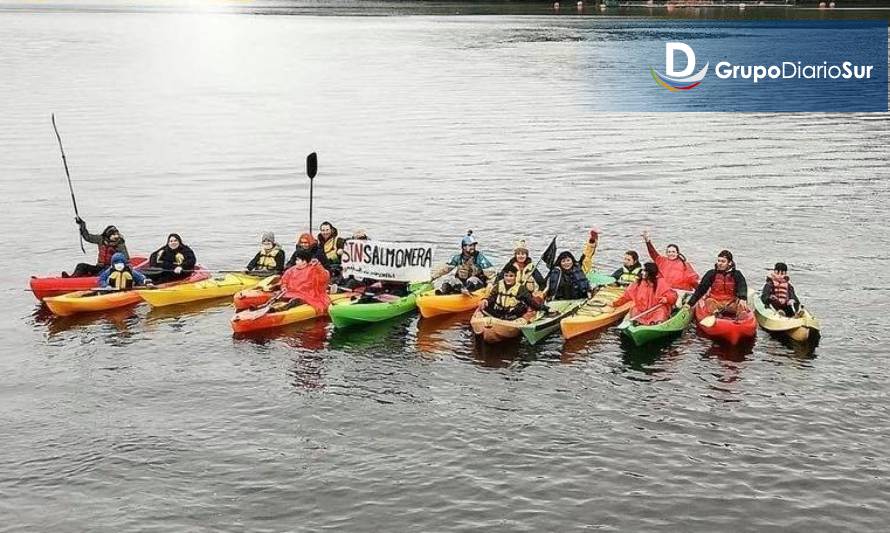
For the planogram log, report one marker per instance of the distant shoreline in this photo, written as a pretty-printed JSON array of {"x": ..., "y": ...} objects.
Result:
[{"x": 672, "y": 9}]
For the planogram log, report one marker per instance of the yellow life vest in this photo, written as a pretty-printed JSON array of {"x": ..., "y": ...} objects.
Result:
[
  {"x": 178, "y": 259},
  {"x": 628, "y": 276},
  {"x": 267, "y": 259},
  {"x": 330, "y": 249},
  {"x": 524, "y": 276},
  {"x": 507, "y": 297},
  {"x": 120, "y": 281}
]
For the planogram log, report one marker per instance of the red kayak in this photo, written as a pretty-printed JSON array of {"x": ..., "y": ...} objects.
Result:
[
  {"x": 46, "y": 287},
  {"x": 731, "y": 330}
]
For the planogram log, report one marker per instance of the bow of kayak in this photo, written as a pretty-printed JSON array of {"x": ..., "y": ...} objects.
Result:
[
  {"x": 731, "y": 330},
  {"x": 200, "y": 290},
  {"x": 546, "y": 323},
  {"x": 431, "y": 304},
  {"x": 641, "y": 334},
  {"x": 493, "y": 330},
  {"x": 591, "y": 316}
]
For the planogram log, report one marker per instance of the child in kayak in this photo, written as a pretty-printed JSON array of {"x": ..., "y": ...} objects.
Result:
[
  {"x": 630, "y": 270},
  {"x": 173, "y": 261},
  {"x": 724, "y": 288},
  {"x": 673, "y": 265},
  {"x": 471, "y": 269},
  {"x": 509, "y": 299},
  {"x": 525, "y": 271},
  {"x": 651, "y": 291},
  {"x": 778, "y": 292},
  {"x": 566, "y": 281},
  {"x": 269, "y": 261},
  {"x": 110, "y": 242},
  {"x": 120, "y": 276}
]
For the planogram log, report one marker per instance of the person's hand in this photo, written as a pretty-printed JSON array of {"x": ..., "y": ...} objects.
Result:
[
  {"x": 594, "y": 235},
  {"x": 465, "y": 291},
  {"x": 340, "y": 253},
  {"x": 743, "y": 306},
  {"x": 663, "y": 300},
  {"x": 79, "y": 221},
  {"x": 483, "y": 304},
  {"x": 645, "y": 235},
  {"x": 177, "y": 270}
]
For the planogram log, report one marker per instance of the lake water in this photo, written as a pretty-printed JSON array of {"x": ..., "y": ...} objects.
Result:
[{"x": 425, "y": 126}]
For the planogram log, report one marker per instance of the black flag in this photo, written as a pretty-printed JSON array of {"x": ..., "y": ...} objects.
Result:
[{"x": 549, "y": 255}]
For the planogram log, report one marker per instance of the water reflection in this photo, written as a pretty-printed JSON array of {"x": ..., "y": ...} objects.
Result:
[
  {"x": 120, "y": 320},
  {"x": 439, "y": 335},
  {"x": 307, "y": 335},
  {"x": 388, "y": 336}
]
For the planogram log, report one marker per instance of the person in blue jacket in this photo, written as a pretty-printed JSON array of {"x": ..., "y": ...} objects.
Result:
[
  {"x": 472, "y": 269},
  {"x": 566, "y": 280},
  {"x": 120, "y": 276}
]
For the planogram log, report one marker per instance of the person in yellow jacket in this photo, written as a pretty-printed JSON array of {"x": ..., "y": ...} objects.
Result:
[
  {"x": 509, "y": 299},
  {"x": 269, "y": 261},
  {"x": 526, "y": 271}
]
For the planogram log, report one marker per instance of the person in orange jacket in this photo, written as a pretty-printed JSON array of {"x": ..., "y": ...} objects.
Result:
[
  {"x": 650, "y": 290},
  {"x": 673, "y": 266},
  {"x": 306, "y": 282}
]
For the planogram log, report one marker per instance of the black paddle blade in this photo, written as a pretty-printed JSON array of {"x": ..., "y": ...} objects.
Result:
[{"x": 312, "y": 165}]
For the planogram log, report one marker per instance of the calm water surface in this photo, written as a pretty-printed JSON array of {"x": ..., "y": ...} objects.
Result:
[{"x": 160, "y": 420}]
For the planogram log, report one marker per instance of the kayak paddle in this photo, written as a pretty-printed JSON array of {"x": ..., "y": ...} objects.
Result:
[
  {"x": 70, "y": 188},
  {"x": 311, "y": 171}
]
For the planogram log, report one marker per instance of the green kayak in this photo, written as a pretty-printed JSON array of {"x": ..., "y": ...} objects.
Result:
[
  {"x": 643, "y": 334},
  {"x": 546, "y": 323},
  {"x": 350, "y": 313}
]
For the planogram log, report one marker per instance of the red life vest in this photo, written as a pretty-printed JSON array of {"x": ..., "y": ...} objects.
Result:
[
  {"x": 105, "y": 253},
  {"x": 780, "y": 289},
  {"x": 723, "y": 288}
]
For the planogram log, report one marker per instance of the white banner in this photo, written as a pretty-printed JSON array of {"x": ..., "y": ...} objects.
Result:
[{"x": 388, "y": 261}]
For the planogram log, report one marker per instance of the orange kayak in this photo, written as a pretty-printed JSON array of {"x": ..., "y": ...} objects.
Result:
[
  {"x": 591, "y": 317},
  {"x": 55, "y": 286},
  {"x": 92, "y": 301},
  {"x": 276, "y": 315}
]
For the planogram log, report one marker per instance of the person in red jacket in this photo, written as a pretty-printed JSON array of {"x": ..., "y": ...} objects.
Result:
[
  {"x": 673, "y": 266},
  {"x": 306, "y": 282},
  {"x": 651, "y": 290},
  {"x": 724, "y": 288}
]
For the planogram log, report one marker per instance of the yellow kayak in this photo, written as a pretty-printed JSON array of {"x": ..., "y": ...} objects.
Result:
[
  {"x": 431, "y": 304},
  {"x": 798, "y": 328},
  {"x": 217, "y": 287},
  {"x": 590, "y": 316},
  {"x": 92, "y": 301}
]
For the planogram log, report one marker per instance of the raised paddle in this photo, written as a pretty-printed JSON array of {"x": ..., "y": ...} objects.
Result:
[
  {"x": 311, "y": 171},
  {"x": 70, "y": 188}
]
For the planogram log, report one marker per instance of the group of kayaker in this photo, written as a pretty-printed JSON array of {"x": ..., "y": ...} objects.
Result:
[
  {"x": 517, "y": 289},
  {"x": 171, "y": 262}
]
